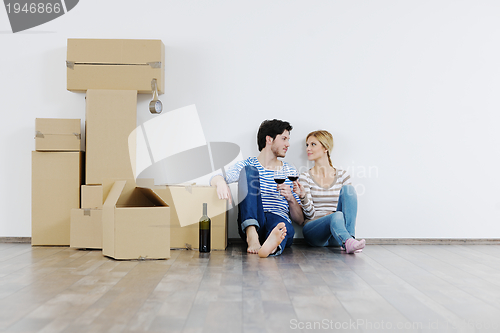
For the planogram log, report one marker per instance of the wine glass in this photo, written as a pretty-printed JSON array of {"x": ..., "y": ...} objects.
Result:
[
  {"x": 292, "y": 172},
  {"x": 279, "y": 176},
  {"x": 293, "y": 175}
]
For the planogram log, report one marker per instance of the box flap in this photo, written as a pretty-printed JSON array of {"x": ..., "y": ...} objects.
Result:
[
  {"x": 114, "y": 194},
  {"x": 152, "y": 196},
  {"x": 108, "y": 218},
  {"x": 114, "y": 51},
  {"x": 145, "y": 182}
]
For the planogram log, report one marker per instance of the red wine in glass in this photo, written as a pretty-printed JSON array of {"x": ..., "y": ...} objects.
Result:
[
  {"x": 279, "y": 176},
  {"x": 292, "y": 174}
]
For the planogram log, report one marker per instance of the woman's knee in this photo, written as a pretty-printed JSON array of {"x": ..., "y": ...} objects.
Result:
[
  {"x": 337, "y": 219},
  {"x": 348, "y": 190}
]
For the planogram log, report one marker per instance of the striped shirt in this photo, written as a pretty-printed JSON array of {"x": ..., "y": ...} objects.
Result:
[
  {"x": 320, "y": 201},
  {"x": 272, "y": 201}
]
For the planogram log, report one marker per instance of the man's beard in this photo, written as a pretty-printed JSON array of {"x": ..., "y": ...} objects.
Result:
[{"x": 278, "y": 152}]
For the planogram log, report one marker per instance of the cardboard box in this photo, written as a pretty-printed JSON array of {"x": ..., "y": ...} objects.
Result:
[
  {"x": 186, "y": 204},
  {"x": 139, "y": 228},
  {"x": 56, "y": 180},
  {"x": 110, "y": 119},
  {"x": 52, "y": 134},
  {"x": 91, "y": 197},
  {"x": 86, "y": 229},
  {"x": 123, "y": 64}
]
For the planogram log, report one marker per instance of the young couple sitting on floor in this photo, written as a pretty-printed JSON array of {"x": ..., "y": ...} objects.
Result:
[{"x": 322, "y": 199}]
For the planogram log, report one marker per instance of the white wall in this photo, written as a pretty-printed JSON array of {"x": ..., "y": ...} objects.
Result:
[{"x": 408, "y": 88}]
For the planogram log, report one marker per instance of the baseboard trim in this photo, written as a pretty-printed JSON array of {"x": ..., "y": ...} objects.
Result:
[
  {"x": 369, "y": 241},
  {"x": 432, "y": 241},
  {"x": 15, "y": 240},
  {"x": 408, "y": 241}
]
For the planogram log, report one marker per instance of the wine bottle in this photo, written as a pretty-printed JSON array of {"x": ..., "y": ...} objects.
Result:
[{"x": 204, "y": 225}]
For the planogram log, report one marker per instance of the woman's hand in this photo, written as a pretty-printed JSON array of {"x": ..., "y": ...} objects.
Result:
[{"x": 299, "y": 189}]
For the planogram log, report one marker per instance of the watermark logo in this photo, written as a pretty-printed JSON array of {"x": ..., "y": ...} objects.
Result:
[
  {"x": 24, "y": 14},
  {"x": 171, "y": 149},
  {"x": 459, "y": 325}
]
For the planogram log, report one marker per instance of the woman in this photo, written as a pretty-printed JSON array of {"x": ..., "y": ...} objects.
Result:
[{"x": 329, "y": 200}]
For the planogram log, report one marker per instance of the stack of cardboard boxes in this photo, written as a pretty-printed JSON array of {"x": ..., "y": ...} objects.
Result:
[
  {"x": 108, "y": 210},
  {"x": 56, "y": 178}
]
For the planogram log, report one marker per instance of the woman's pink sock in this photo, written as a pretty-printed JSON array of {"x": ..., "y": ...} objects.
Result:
[{"x": 352, "y": 245}]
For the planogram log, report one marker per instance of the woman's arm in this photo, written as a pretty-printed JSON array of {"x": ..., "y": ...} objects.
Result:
[{"x": 306, "y": 200}]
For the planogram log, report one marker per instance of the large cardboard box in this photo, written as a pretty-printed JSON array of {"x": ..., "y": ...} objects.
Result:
[
  {"x": 52, "y": 134},
  {"x": 124, "y": 64},
  {"x": 110, "y": 118},
  {"x": 86, "y": 229},
  {"x": 91, "y": 197},
  {"x": 186, "y": 204},
  {"x": 139, "y": 228},
  {"x": 56, "y": 180}
]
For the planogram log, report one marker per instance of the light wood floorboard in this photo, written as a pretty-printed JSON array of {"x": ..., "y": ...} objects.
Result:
[{"x": 399, "y": 288}]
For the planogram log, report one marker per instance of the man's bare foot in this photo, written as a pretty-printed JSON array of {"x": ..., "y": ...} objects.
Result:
[
  {"x": 252, "y": 239},
  {"x": 275, "y": 238}
]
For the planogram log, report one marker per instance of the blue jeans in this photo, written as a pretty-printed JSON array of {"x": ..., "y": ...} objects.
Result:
[
  {"x": 251, "y": 211},
  {"x": 334, "y": 229}
]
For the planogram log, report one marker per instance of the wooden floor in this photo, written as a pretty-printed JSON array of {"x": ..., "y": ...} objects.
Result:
[{"x": 398, "y": 288}]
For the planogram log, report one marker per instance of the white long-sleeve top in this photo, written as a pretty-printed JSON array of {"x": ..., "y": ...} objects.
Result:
[{"x": 321, "y": 201}]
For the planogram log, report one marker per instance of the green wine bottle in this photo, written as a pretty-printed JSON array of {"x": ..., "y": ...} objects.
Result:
[{"x": 204, "y": 224}]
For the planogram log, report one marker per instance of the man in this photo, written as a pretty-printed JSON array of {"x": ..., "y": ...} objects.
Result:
[{"x": 267, "y": 210}]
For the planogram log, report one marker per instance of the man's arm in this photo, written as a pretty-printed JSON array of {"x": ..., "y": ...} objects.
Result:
[
  {"x": 223, "y": 191},
  {"x": 232, "y": 175}
]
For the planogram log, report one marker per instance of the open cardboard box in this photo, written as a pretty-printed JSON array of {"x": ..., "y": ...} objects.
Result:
[{"x": 136, "y": 223}]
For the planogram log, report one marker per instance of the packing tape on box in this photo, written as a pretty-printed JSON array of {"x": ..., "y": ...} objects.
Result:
[
  {"x": 39, "y": 134},
  {"x": 71, "y": 64},
  {"x": 189, "y": 188}
]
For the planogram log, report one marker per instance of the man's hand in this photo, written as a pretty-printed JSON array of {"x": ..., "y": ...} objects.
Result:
[
  {"x": 286, "y": 191},
  {"x": 223, "y": 191},
  {"x": 296, "y": 213}
]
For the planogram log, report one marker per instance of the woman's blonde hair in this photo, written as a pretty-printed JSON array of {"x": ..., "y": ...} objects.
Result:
[{"x": 326, "y": 140}]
